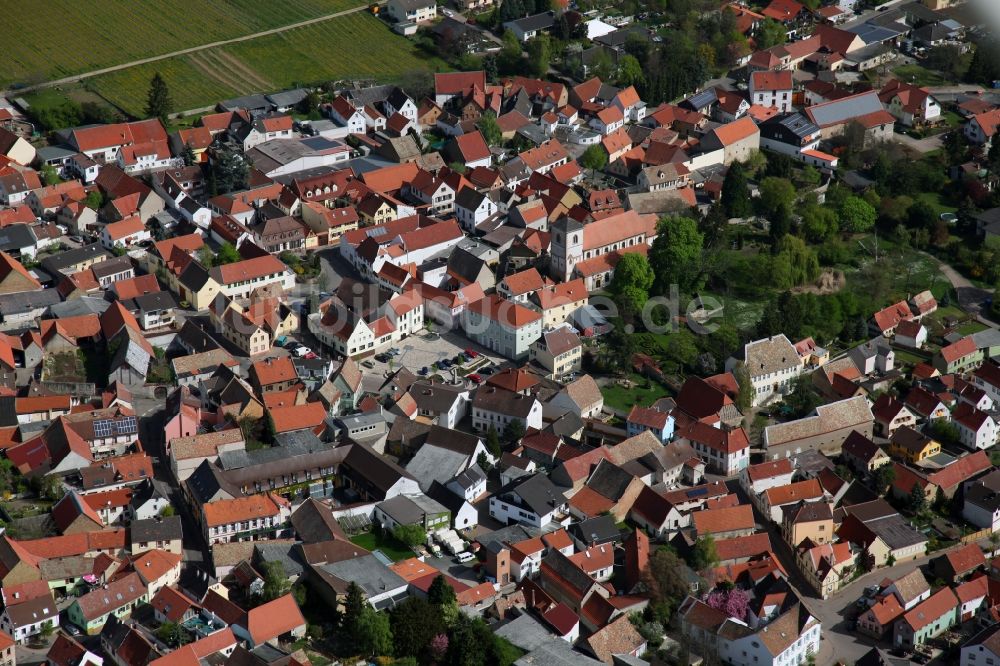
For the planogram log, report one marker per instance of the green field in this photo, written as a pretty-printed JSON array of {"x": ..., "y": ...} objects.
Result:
[
  {"x": 71, "y": 37},
  {"x": 388, "y": 545},
  {"x": 357, "y": 46}
]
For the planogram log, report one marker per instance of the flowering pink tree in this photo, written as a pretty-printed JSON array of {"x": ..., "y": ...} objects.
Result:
[
  {"x": 439, "y": 647},
  {"x": 733, "y": 602}
]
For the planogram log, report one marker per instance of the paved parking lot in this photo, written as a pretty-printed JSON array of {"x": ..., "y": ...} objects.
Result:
[{"x": 423, "y": 349}]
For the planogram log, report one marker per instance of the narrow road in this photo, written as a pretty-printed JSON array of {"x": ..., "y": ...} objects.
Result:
[
  {"x": 173, "y": 54},
  {"x": 970, "y": 297}
]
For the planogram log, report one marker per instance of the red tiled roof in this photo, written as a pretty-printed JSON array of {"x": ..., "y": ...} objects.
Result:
[
  {"x": 509, "y": 313},
  {"x": 729, "y": 519},
  {"x": 298, "y": 417}
]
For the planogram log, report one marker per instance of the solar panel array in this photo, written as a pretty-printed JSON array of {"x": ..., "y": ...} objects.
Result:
[
  {"x": 108, "y": 427},
  {"x": 103, "y": 428}
]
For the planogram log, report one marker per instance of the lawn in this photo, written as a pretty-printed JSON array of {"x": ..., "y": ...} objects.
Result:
[
  {"x": 389, "y": 545},
  {"x": 357, "y": 46},
  {"x": 971, "y": 327},
  {"x": 910, "y": 357},
  {"x": 72, "y": 37},
  {"x": 918, "y": 76},
  {"x": 642, "y": 392}
]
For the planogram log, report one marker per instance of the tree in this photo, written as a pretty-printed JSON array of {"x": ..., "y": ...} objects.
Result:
[
  {"x": 944, "y": 432},
  {"x": 411, "y": 535},
  {"x": 744, "y": 399},
  {"x": 94, "y": 200},
  {"x": 676, "y": 254},
  {"x": 771, "y": 33},
  {"x": 540, "y": 54},
  {"x": 415, "y": 623},
  {"x": 513, "y": 432},
  {"x": 490, "y": 129},
  {"x": 49, "y": 175},
  {"x": 884, "y": 476},
  {"x": 818, "y": 223},
  {"x": 442, "y": 595},
  {"x": 159, "y": 104},
  {"x": 703, "y": 554},
  {"x": 917, "y": 500},
  {"x": 188, "y": 155},
  {"x": 440, "y": 592},
  {"x": 802, "y": 398},
  {"x": 666, "y": 580},
  {"x": 629, "y": 71},
  {"x": 276, "y": 583},
  {"x": 168, "y": 511},
  {"x": 227, "y": 254},
  {"x": 170, "y": 633},
  {"x": 374, "y": 634},
  {"x": 732, "y": 601},
  {"x": 777, "y": 196},
  {"x": 493, "y": 441},
  {"x": 857, "y": 215},
  {"x": 594, "y": 158},
  {"x": 229, "y": 172},
  {"x": 735, "y": 194},
  {"x": 354, "y": 604},
  {"x": 632, "y": 280}
]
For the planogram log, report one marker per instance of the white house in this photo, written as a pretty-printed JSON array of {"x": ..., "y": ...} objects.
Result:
[
  {"x": 506, "y": 327},
  {"x": 772, "y": 364},
  {"x": 981, "y": 506},
  {"x": 772, "y": 89},
  {"x": 535, "y": 501},
  {"x": 911, "y": 334},
  {"x": 412, "y": 11},
  {"x": 981, "y": 127},
  {"x": 495, "y": 406},
  {"x": 29, "y": 618},
  {"x": 909, "y": 104},
  {"x": 472, "y": 208},
  {"x": 786, "y": 640},
  {"x": 124, "y": 233},
  {"x": 755, "y": 479},
  {"x": 343, "y": 112},
  {"x": 976, "y": 429},
  {"x": 987, "y": 377}
]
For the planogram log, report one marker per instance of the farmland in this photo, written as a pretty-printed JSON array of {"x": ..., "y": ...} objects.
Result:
[
  {"x": 354, "y": 46},
  {"x": 71, "y": 37}
]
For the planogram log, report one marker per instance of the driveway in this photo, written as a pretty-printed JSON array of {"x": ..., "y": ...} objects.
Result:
[{"x": 921, "y": 146}]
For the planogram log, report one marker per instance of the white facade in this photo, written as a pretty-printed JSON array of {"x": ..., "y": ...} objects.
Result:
[
  {"x": 505, "y": 512},
  {"x": 482, "y": 419},
  {"x": 983, "y": 438},
  {"x": 470, "y": 219}
]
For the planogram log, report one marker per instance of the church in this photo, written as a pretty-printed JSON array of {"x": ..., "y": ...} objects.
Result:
[{"x": 574, "y": 243}]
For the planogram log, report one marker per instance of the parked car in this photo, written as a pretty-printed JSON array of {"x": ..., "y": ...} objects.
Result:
[
  {"x": 423, "y": 371},
  {"x": 475, "y": 378},
  {"x": 311, "y": 356},
  {"x": 471, "y": 353},
  {"x": 367, "y": 364},
  {"x": 382, "y": 358},
  {"x": 487, "y": 370},
  {"x": 291, "y": 345},
  {"x": 301, "y": 351}
]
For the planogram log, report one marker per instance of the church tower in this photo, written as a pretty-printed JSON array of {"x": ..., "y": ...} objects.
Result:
[{"x": 566, "y": 248}]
